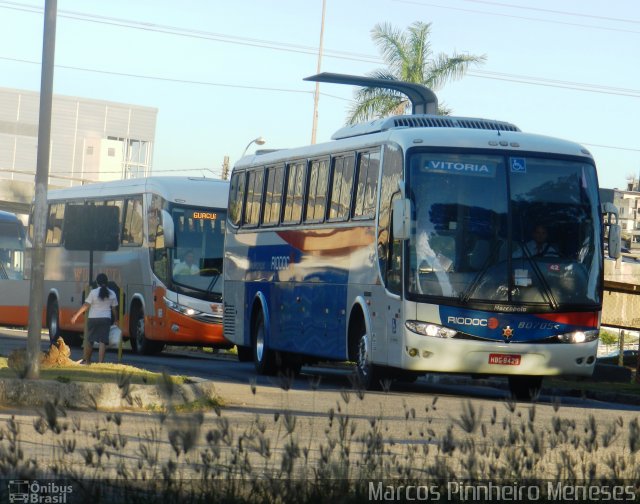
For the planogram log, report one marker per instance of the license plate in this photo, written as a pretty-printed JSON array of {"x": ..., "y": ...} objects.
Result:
[{"x": 504, "y": 359}]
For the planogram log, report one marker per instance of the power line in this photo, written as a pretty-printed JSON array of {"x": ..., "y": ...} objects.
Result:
[
  {"x": 192, "y": 33},
  {"x": 551, "y": 11},
  {"x": 170, "y": 79},
  {"x": 549, "y": 83},
  {"x": 521, "y": 79},
  {"x": 292, "y": 48},
  {"x": 512, "y": 16}
]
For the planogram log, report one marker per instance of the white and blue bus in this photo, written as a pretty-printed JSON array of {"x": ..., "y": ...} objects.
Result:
[{"x": 406, "y": 245}]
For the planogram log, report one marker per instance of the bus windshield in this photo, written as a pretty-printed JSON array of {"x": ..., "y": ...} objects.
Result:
[
  {"x": 199, "y": 241},
  {"x": 523, "y": 230}
]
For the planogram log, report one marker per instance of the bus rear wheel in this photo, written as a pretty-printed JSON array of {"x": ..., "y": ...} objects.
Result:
[
  {"x": 263, "y": 357},
  {"x": 245, "y": 354},
  {"x": 525, "y": 388},
  {"x": 53, "y": 320}
]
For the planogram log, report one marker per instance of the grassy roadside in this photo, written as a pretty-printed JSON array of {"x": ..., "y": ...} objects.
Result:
[
  {"x": 97, "y": 373},
  {"x": 590, "y": 385}
]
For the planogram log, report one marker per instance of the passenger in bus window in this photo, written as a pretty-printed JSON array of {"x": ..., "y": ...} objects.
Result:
[
  {"x": 187, "y": 266},
  {"x": 101, "y": 303}
]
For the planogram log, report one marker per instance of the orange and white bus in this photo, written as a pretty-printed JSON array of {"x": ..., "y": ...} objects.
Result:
[{"x": 163, "y": 221}]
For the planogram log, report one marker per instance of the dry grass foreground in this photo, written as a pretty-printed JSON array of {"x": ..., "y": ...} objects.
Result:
[{"x": 55, "y": 364}]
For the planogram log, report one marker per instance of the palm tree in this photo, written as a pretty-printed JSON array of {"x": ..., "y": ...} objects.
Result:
[{"x": 409, "y": 58}]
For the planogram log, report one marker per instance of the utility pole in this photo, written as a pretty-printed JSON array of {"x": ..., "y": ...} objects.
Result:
[
  {"x": 316, "y": 95},
  {"x": 225, "y": 168},
  {"x": 40, "y": 203}
]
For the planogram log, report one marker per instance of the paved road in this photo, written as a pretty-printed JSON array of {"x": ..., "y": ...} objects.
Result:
[
  {"x": 228, "y": 373},
  {"x": 318, "y": 420}
]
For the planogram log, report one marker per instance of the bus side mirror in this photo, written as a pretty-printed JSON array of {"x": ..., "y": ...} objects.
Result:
[
  {"x": 615, "y": 241},
  {"x": 168, "y": 230},
  {"x": 401, "y": 219}
]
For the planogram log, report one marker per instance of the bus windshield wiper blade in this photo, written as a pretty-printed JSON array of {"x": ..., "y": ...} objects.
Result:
[
  {"x": 468, "y": 292},
  {"x": 213, "y": 282},
  {"x": 546, "y": 288}
]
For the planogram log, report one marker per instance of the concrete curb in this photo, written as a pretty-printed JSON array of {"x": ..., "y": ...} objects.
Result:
[{"x": 100, "y": 396}]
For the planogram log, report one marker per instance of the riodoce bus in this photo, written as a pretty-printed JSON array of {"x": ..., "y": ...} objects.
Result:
[
  {"x": 410, "y": 245},
  {"x": 167, "y": 264}
]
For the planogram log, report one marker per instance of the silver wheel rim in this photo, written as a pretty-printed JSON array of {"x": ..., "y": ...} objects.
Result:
[
  {"x": 260, "y": 343},
  {"x": 363, "y": 355},
  {"x": 140, "y": 331},
  {"x": 53, "y": 323}
]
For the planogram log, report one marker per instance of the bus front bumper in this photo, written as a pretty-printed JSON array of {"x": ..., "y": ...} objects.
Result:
[{"x": 424, "y": 353}]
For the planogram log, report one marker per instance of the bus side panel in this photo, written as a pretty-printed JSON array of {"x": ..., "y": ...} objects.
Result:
[
  {"x": 14, "y": 302},
  {"x": 309, "y": 319}
]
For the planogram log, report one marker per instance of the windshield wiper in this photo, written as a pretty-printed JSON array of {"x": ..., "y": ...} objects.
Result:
[
  {"x": 468, "y": 292},
  {"x": 546, "y": 288},
  {"x": 213, "y": 282}
]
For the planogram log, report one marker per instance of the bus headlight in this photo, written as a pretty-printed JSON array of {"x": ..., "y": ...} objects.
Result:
[
  {"x": 578, "y": 336},
  {"x": 185, "y": 310},
  {"x": 428, "y": 329}
]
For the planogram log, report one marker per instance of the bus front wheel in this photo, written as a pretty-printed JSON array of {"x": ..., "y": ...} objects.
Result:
[
  {"x": 263, "y": 357},
  {"x": 525, "y": 388},
  {"x": 139, "y": 342},
  {"x": 53, "y": 320},
  {"x": 367, "y": 373}
]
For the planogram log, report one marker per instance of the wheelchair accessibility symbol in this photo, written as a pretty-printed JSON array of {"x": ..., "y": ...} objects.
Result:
[{"x": 518, "y": 165}]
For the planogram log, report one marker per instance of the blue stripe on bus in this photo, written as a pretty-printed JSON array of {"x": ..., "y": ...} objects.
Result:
[{"x": 490, "y": 325}]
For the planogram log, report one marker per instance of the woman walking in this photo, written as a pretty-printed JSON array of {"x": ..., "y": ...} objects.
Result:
[{"x": 101, "y": 303}]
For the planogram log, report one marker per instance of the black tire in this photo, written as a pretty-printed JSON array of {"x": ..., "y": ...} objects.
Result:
[
  {"x": 525, "y": 388},
  {"x": 288, "y": 364},
  {"x": 245, "y": 354},
  {"x": 53, "y": 320},
  {"x": 263, "y": 357},
  {"x": 368, "y": 375},
  {"x": 139, "y": 343}
]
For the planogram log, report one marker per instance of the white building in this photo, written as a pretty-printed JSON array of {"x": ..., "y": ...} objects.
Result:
[{"x": 91, "y": 140}]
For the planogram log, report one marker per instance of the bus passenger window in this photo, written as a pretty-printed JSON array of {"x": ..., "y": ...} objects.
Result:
[
  {"x": 295, "y": 193},
  {"x": 273, "y": 197},
  {"x": 367, "y": 186},
  {"x": 254, "y": 197},
  {"x": 54, "y": 224},
  {"x": 317, "y": 193},
  {"x": 341, "y": 188},
  {"x": 133, "y": 232},
  {"x": 236, "y": 198}
]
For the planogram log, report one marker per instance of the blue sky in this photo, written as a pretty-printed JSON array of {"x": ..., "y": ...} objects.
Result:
[{"x": 222, "y": 73}]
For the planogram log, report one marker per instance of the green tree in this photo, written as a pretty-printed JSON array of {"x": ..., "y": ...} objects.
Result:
[{"x": 409, "y": 57}]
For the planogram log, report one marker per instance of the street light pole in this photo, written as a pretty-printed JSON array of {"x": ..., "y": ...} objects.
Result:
[
  {"x": 316, "y": 95},
  {"x": 36, "y": 291},
  {"x": 257, "y": 141}
]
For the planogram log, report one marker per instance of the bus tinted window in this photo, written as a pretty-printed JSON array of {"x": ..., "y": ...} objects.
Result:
[
  {"x": 236, "y": 198},
  {"x": 295, "y": 190},
  {"x": 273, "y": 197},
  {"x": 132, "y": 232},
  {"x": 54, "y": 224},
  {"x": 317, "y": 193},
  {"x": 341, "y": 187},
  {"x": 254, "y": 197},
  {"x": 366, "y": 189}
]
